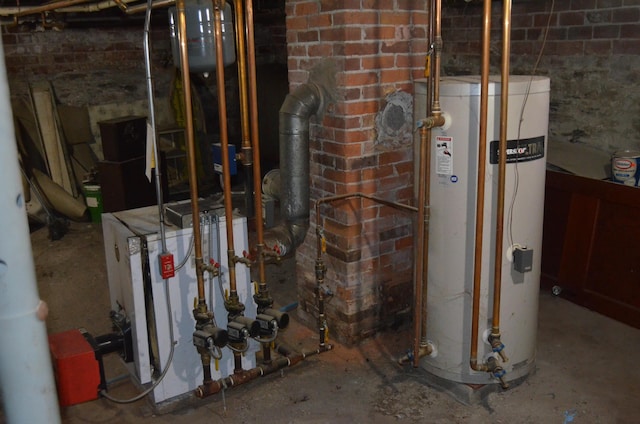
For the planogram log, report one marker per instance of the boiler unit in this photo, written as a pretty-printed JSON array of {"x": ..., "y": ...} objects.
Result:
[
  {"x": 453, "y": 187},
  {"x": 138, "y": 295}
]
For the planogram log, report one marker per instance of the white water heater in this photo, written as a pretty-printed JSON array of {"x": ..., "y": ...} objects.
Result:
[{"x": 454, "y": 166}]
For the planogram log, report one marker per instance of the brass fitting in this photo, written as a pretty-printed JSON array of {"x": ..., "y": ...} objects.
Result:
[
  {"x": 436, "y": 120},
  {"x": 497, "y": 346}
]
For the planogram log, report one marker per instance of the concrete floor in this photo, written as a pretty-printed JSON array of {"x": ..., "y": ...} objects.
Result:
[{"x": 586, "y": 365}]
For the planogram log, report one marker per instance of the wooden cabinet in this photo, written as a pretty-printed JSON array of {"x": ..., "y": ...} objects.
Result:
[{"x": 591, "y": 244}]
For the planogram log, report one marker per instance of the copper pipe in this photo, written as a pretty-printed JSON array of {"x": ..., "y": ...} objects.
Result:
[
  {"x": 130, "y": 10},
  {"x": 433, "y": 119},
  {"x": 482, "y": 150},
  {"x": 242, "y": 78},
  {"x": 49, "y": 7},
  {"x": 419, "y": 267},
  {"x": 218, "y": 5},
  {"x": 191, "y": 151},
  {"x": 320, "y": 268},
  {"x": 502, "y": 177},
  {"x": 245, "y": 156},
  {"x": 437, "y": 46},
  {"x": 331, "y": 199},
  {"x": 292, "y": 358},
  {"x": 255, "y": 142}
]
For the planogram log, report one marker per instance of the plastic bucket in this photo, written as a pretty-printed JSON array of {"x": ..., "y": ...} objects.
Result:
[
  {"x": 93, "y": 197},
  {"x": 625, "y": 167}
]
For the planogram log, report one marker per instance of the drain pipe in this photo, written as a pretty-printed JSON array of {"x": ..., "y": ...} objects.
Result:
[
  {"x": 494, "y": 337},
  {"x": 298, "y": 107},
  {"x": 26, "y": 377}
]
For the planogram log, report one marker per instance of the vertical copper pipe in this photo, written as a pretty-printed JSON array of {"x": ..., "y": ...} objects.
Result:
[
  {"x": 482, "y": 152},
  {"x": 438, "y": 51},
  {"x": 426, "y": 157},
  {"x": 191, "y": 152},
  {"x": 502, "y": 165},
  {"x": 242, "y": 76},
  {"x": 434, "y": 119},
  {"x": 247, "y": 157},
  {"x": 218, "y": 5},
  {"x": 432, "y": 110},
  {"x": 255, "y": 142},
  {"x": 418, "y": 321}
]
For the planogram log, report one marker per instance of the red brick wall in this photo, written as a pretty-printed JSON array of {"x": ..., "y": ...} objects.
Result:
[
  {"x": 369, "y": 254},
  {"x": 592, "y": 56}
]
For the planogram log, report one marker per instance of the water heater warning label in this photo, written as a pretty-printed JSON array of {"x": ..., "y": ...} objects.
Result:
[{"x": 444, "y": 155}]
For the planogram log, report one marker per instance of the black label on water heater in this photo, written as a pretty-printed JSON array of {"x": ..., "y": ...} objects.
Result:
[{"x": 523, "y": 150}]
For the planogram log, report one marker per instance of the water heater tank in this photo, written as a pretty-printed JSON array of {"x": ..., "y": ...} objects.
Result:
[
  {"x": 201, "y": 44},
  {"x": 454, "y": 165}
]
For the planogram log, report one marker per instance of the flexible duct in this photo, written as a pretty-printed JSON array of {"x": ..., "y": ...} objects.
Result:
[{"x": 297, "y": 108}]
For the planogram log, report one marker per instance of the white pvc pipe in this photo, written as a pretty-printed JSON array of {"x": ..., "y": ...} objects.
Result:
[{"x": 26, "y": 376}]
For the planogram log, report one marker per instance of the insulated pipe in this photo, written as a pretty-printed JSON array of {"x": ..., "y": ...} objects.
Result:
[
  {"x": 26, "y": 377},
  {"x": 494, "y": 338},
  {"x": 482, "y": 150},
  {"x": 296, "y": 110}
]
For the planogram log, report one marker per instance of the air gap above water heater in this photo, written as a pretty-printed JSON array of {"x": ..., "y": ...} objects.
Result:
[{"x": 201, "y": 44}]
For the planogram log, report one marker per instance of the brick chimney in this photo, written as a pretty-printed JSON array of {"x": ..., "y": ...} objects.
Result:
[{"x": 362, "y": 144}]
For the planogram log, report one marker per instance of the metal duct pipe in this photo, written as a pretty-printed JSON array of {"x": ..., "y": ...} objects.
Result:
[
  {"x": 296, "y": 110},
  {"x": 26, "y": 377}
]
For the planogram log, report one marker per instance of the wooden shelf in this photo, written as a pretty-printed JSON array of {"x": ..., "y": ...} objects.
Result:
[{"x": 591, "y": 244}]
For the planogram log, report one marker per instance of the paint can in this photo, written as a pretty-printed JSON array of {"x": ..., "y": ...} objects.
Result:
[
  {"x": 625, "y": 167},
  {"x": 93, "y": 198}
]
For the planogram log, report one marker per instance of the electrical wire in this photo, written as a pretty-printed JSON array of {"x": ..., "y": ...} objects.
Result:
[
  {"x": 155, "y": 384},
  {"x": 188, "y": 254},
  {"x": 516, "y": 182}
]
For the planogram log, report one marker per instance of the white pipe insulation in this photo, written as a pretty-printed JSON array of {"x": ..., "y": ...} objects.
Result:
[{"x": 27, "y": 386}]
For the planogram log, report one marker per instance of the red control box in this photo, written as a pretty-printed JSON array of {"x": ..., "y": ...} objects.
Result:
[
  {"x": 75, "y": 366},
  {"x": 167, "y": 269}
]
